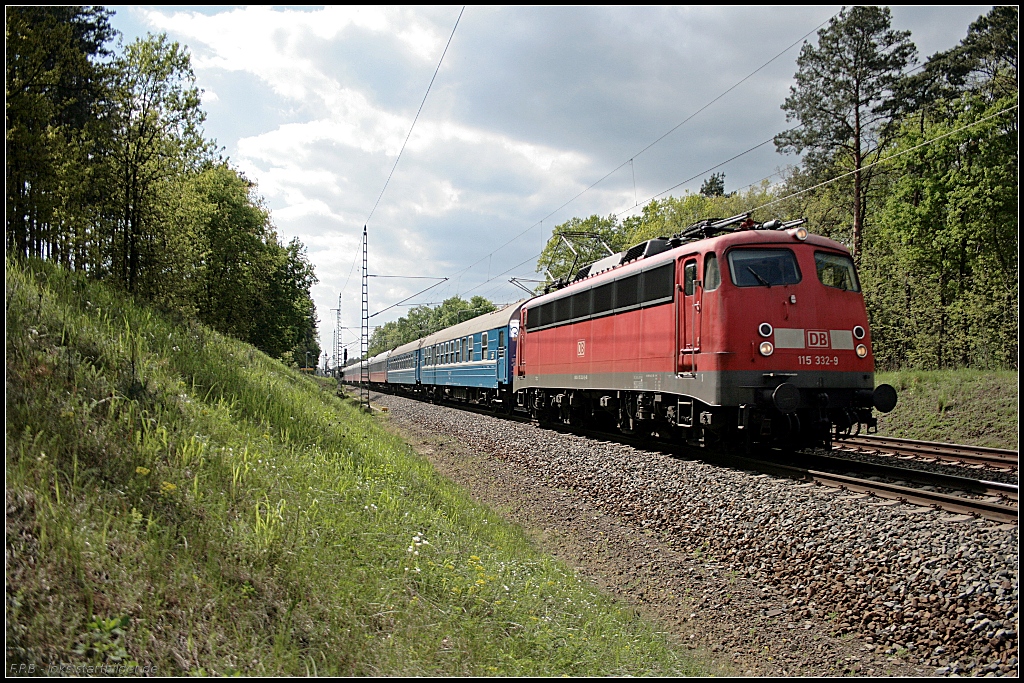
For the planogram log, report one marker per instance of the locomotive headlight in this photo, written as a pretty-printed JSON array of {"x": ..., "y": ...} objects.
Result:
[
  {"x": 766, "y": 348},
  {"x": 858, "y": 332},
  {"x": 861, "y": 350},
  {"x": 764, "y": 329}
]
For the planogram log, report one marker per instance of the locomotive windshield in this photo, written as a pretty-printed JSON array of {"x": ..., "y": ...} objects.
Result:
[
  {"x": 836, "y": 270},
  {"x": 763, "y": 267}
]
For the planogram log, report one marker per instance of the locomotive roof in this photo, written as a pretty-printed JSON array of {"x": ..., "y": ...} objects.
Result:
[{"x": 717, "y": 244}]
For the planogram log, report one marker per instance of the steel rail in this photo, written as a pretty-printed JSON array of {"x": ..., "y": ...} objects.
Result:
[
  {"x": 977, "y": 455},
  {"x": 979, "y": 486},
  {"x": 988, "y": 509}
]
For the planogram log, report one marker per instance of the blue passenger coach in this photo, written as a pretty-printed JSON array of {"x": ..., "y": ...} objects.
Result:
[
  {"x": 472, "y": 361},
  {"x": 404, "y": 364}
]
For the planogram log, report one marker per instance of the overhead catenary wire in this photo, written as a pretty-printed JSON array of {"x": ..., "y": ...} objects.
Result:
[
  {"x": 698, "y": 175},
  {"x": 631, "y": 159},
  {"x": 408, "y": 298},
  {"x": 890, "y": 157},
  {"x": 690, "y": 179},
  {"x": 594, "y": 184},
  {"x": 416, "y": 118},
  {"x": 808, "y": 189}
]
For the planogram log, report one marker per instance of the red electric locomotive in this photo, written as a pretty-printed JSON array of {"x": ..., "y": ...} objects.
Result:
[{"x": 733, "y": 334}]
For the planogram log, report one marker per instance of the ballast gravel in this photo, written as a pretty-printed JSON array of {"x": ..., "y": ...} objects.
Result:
[{"x": 767, "y": 576}]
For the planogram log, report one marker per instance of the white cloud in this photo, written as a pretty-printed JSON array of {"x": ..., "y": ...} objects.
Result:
[{"x": 280, "y": 46}]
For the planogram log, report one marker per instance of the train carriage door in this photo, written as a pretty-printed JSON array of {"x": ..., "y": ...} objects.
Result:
[
  {"x": 689, "y": 317},
  {"x": 502, "y": 375}
]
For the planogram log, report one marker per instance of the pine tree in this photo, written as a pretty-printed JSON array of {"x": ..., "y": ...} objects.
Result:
[{"x": 845, "y": 98}]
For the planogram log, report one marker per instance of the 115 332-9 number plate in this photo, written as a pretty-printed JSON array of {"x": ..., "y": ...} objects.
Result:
[{"x": 818, "y": 360}]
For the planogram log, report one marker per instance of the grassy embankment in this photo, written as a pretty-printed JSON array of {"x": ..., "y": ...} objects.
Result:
[
  {"x": 972, "y": 407},
  {"x": 178, "y": 500}
]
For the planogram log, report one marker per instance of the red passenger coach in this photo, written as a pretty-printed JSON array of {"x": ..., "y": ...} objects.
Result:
[{"x": 754, "y": 335}]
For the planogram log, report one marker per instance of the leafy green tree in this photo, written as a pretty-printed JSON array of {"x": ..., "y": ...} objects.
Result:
[
  {"x": 659, "y": 218},
  {"x": 423, "y": 320},
  {"x": 238, "y": 249},
  {"x": 55, "y": 90},
  {"x": 943, "y": 269},
  {"x": 845, "y": 99},
  {"x": 157, "y": 136},
  {"x": 714, "y": 185},
  {"x": 557, "y": 259},
  {"x": 984, "y": 63},
  {"x": 283, "y": 309},
  {"x": 108, "y": 172}
]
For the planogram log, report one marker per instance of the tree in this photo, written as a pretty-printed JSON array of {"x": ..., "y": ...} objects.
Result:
[
  {"x": 157, "y": 135},
  {"x": 714, "y": 186},
  {"x": 423, "y": 320},
  {"x": 941, "y": 281},
  {"x": 557, "y": 258},
  {"x": 845, "y": 98},
  {"x": 55, "y": 90},
  {"x": 283, "y": 309},
  {"x": 985, "y": 62},
  {"x": 659, "y": 218}
]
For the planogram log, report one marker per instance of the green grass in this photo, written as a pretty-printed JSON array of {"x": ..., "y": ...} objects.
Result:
[
  {"x": 178, "y": 500},
  {"x": 974, "y": 407}
]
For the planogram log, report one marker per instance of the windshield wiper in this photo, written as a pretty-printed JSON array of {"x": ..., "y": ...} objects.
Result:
[{"x": 759, "y": 278}]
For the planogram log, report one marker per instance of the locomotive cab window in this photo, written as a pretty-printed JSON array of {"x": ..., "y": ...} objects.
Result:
[
  {"x": 836, "y": 270},
  {"x": 689, "y": 277},
  {"x": 712, "y": 275},
  {"x": 763, "y": 267}
]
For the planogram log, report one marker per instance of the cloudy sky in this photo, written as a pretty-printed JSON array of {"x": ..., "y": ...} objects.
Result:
[{"x": 530, "y": 107}]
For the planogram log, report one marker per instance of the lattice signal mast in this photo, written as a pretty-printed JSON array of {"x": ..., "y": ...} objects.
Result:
[
  {"x": 337, "y": 346},
  {"x": 364, "y": 341}
]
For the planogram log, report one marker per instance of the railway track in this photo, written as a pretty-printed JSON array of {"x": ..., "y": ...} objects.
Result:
[
  {"x": 997, "y": 458},
  {"x": 963, "y": 495},
  {"x": 990, "y": 499}
]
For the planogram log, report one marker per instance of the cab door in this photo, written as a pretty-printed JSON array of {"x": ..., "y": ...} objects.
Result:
[{"x": 689, "y": 316}]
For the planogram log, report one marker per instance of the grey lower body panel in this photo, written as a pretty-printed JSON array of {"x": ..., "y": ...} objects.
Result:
[{"x": 728, "y": 387}]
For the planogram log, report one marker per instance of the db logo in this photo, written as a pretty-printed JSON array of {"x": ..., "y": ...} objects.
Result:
[
  {"x": 581, "y": 347},
  {"x": 817, "y": 339}
]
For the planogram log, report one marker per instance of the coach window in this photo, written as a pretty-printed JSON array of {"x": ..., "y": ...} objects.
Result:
[
  {"x": 712, "y": 276},
  {"x": 501, "y": 343},
  {"x": 483, "y": 346}
]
